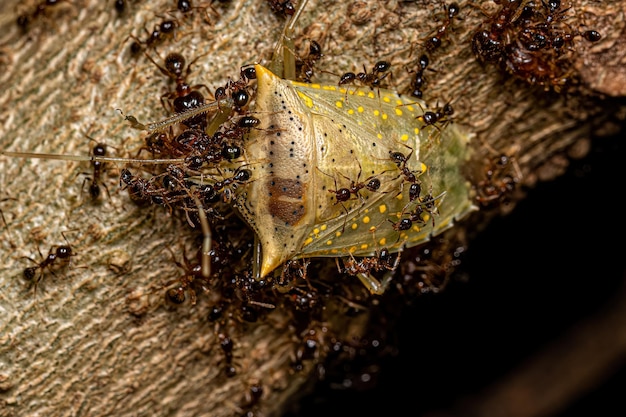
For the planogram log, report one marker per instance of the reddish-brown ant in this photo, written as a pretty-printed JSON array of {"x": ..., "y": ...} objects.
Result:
[
  {"x": 184, "y": 97},
  {"x": 238, "y": 90},
  {"x": 282, "y": 8},
  {"x": 138, "y": 187},
  {"x": 383, "y": 260},
  {"x": 155, "y": 143},
  {"x": 427, "y": 206},
  {"x": 41, "y": 9},
  {"x": 363, "y": 268},
  {"x": 120, "y": 6},
  {"x": 380, "y": 70},
  {"x": 191, "y": 141},
  {"x": 307, "y": 349},
  {"x": 305, "y": 66},
  {"x": 530, "y": 41},
  {"x": 161, "y": 32},
  {"x": 252, "y": 397},
  {"x": 184, "y": 284},
  {"x": 95, "y": 180},
  {"x": 144, "y": 191},
  {"x": 418, "y": 81},
  {"x": 186, "y": 7},
  {"x": 227, "y": 345},
  {"x": 434, "y": 42},
  {"x": 178, "y": 71},
  {"x": 425, "y": 203},
  {"x": 488, "y": 45},
  {"x": 371, "y": 184},
  {"x": 228, "y": 186},
  {"x": 344, "y": 194},
  {"x": 401, "y": 160},
  {"x": 34, "y": 274},
  {"x": 440, "y": 115},
  {"x": 501, "y": 176},
  {"x": 248, "y": 291}
]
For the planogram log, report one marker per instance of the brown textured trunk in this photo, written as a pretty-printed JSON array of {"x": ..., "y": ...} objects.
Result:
[{"x": 95, "y": 339}]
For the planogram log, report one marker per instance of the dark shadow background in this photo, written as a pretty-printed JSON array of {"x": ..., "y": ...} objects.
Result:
[{"x": 556, "y": 259}]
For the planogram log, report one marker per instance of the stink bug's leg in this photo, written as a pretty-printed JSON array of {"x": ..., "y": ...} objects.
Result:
[
  {"x": 375, "y": 286},
  {"x": 338, "y": 266},
  {"x": 284, "y": 60},
  {"x": 225, "y": 111},
  {"x": 372, "y": 284},
  {"x": 206, "y": 242},
  {"x": 384, "y": 284},
  {"x": 256, "y": 262}
]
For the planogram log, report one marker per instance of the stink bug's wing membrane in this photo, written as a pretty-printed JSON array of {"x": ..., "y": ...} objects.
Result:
[{"x": 445, "y": 154}]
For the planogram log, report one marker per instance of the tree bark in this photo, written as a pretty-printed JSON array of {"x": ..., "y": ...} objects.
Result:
[{"x": 96, "y": 338}]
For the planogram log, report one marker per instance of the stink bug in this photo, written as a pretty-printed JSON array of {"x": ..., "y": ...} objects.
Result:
[
  {"x": 310, "y": 128},
  {"x": 297, "y": 145}
]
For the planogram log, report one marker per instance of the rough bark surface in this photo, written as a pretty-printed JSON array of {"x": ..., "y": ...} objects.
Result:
[{"x": 95, "y": 339}]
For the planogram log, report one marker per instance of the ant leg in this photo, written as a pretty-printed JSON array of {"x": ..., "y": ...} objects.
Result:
[
  {"x": 388, "y": 276},
  {"x": 4, "y": 221}
]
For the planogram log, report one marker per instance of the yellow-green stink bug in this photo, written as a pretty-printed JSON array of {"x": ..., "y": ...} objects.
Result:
[
  {"x": 316, "y": 139},
  {"x": 324, "y": 170}
]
